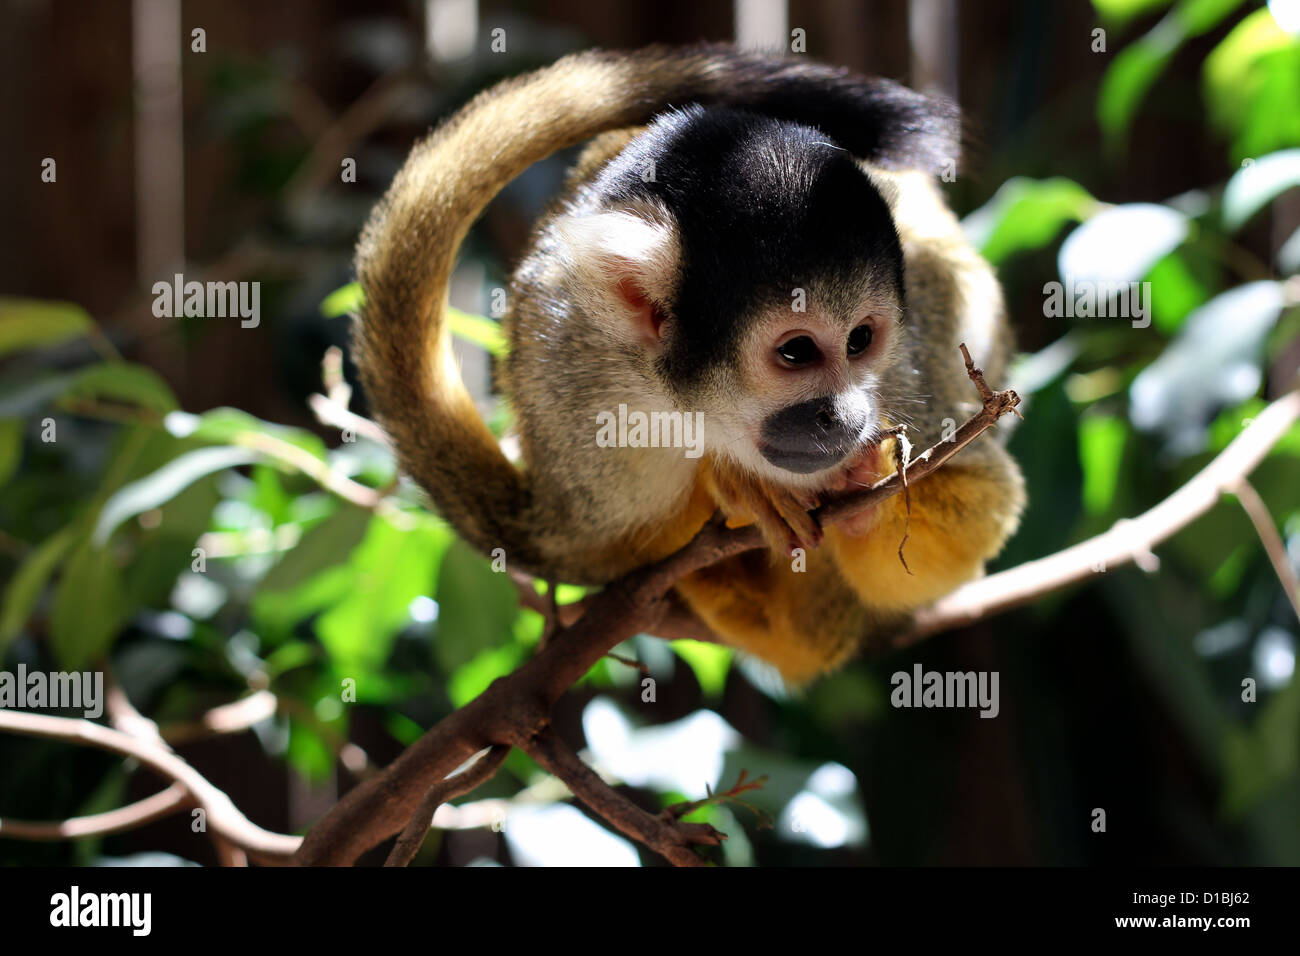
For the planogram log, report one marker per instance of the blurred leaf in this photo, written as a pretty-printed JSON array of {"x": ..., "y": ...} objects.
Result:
[
  {"x": 165, "y": 484},
  {"x": 1288, "y": 257},
  {"x": 1175, "y": 292},
  {"x": 122, "y": 382},
  {"x": 1252, "y": 86},
  {"x": 25, "y": 587},
  {"x": 1026, "y": 214},
  {"x": 308, "y": 753},
  {"x": 224, "y": 426},
  {"x": 476, "y": 607},
  {"x": 11, "y": 448},
  {"x": 32, "y": 323},
  {"x": 90, "y": 607},
  {"x": 1120, "y": 244},
  {"x": 391, "y": 568},
  {"x": 342, "y": 301},
  {"x": 710, "y": 662},
  {"x": 473, "y": 677},
  {"x": 1256, "y": 759},
  {"x": 1047, "y": 447},
  {"x": 327, "y": 544},
  {"x": 1138, "y": 65},
  {"x": 1101, "y": 452},
  {"x": 479, "y": 330},
  {"x": 1214, "y": 360},
  {"x": 1131, "y": 75},
  {"x": 472, "y": 328},
  {"x": 1257, "y": 184},
  {"x": 1120, "y": 12}
]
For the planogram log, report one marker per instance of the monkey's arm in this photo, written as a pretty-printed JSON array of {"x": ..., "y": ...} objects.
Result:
[{"x": 809, "y": 615}]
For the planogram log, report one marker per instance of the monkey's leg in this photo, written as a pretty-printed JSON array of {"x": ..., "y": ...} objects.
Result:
[{"x": 803, "y": 622}]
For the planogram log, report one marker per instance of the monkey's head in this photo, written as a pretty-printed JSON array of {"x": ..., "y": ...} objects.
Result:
[{"x": 755, "y": 273}]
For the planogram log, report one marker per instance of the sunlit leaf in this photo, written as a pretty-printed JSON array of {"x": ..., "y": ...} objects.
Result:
[
  {"x": 1252, "y": 86},
  {"x": 1026, "y": 214},
  {"x": 391, "y": 568},
  {"x": 1257, "y": 184},
  {"x": 1140, "y": 64},
  {"x": 1213, "y": 361},
  {"x": 1101, "y": 450},
  {"x": 227, "y": 425},
  {"x": 472, "y": 328},
  {"x": 1120, "y": 12},
  {"x": 1120, "y": 244},
  {"x": 709, "y": 662},
  {"x": 164, "y": 484},
  {"x": 342, "y": 301}
]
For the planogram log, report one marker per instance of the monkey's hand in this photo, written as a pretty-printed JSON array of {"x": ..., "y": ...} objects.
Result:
[{"x": 781, "y": 513}]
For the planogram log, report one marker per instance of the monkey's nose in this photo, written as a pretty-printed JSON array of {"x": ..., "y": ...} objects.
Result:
[{"x": 807, "y": 437}]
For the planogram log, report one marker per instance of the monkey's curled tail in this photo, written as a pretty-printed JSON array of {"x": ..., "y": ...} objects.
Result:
[{"x": 407, "y": 250}]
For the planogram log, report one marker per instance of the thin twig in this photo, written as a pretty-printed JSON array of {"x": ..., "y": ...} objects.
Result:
[
  {"x": 1274, "y": 547},
  {"x": 458, "y": 784}
]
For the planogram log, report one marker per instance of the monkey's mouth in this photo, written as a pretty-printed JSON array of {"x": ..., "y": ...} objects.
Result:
[{"x": 803, "y": 461}]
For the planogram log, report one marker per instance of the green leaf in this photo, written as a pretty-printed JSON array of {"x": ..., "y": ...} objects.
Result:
[
  {"x": 1257, "y": 184},
  {"x": 25, "y": 587},
  {"x": 391, "y": 568},
  {"x": 1252, "y": 85},
  {"x": 1133, "y": 72},
  {"x": 164, "y": 484},
  {"x": 33, "y": 323},
  {"x": 90, "y": 607},
  {"x": 225, "y": 426},
  {"x": 476, "y": 607},
  {"x": 1121, "y": 244},
  {"x": 1026, "y": 214},
  {"x": 1101, "y": 452},
  {"x": 1175, "y": 292},
  {"x": 342, "y": 301},
  {"x": 1119, "y": 12},
  {"x": 478, "y": 329},
  {"x": 709, "y": 662},
  {"x": 122, "y": 382},
  {"x": 11, "y": 448},
  {"x": 328, "y": 544},
  {"x": 474, "y": 676}
]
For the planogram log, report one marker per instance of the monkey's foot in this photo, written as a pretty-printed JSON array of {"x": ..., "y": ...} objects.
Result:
[{"x": 780, "y": 513}]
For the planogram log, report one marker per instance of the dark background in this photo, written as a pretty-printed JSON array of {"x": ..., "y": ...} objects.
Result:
[{"x": 1106, "y": 700}]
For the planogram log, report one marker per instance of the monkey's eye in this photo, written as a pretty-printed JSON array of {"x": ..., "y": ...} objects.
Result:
[
  {"x": 859, "y": 340},
  {"x": 800, "y": 350}
]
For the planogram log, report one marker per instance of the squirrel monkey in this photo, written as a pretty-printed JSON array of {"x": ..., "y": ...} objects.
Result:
[{"x": 771, "y": 252}]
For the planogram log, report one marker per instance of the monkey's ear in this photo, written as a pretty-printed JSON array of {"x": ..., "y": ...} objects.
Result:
[{"x": 625, "y": 266}]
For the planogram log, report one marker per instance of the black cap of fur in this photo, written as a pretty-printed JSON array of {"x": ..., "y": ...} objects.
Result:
[{"x": 763, "y": 207}]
